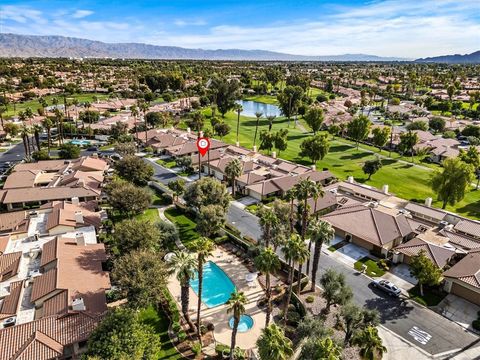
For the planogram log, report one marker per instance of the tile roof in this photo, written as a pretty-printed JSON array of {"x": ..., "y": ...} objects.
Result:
[
  {"x": 369, "y": 224},
  {"x": 9, "y": 264},
  {"x": 44, "y": 165},
  {"x": 21, "y": 179},
  {"x": 438, "y": 254},
  {"x": 468, "y": 227},
  {"x": 10, "y": 303},
  {"x": 13, "y": 196},
  {"x": 14, "y": 222},
  {"x": 466, "y": 270},
  {"x": 362, "y": 190},
  {"x": 39, "y": 339},
  {"x": 4, "y": 240},
  {"x": 89, "y": 163},
  {"x": 461, "y": 240},
  {"x": 425, "y": 210}
]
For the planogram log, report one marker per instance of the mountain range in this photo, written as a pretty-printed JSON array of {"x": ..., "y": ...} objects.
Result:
[{"x": 15, "y": 45}]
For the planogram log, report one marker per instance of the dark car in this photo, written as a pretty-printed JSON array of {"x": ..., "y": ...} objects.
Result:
[
  {"x": 92, "y": 148},
  {"x": 387, "y": 286}
]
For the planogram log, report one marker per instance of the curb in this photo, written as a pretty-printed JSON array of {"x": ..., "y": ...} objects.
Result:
[{"x": 401, "y": 338}]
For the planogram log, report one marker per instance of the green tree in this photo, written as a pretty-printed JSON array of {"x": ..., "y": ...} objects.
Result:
[
  {"x": 335, "y": 288},
  {"x": 321, "y": 348},
  {"x": 210, "y": 220},
  {"x": 453, "y": 181},
  {"x": 134, "y": 169},
  {"x": 289, "y": 100},
  {"x": 380, "y": 137},
  {"x": 142, "y": 276},
  {"x": 69, "y": 151},
  {"x": 273, "y": 344},
  {"x": 315, "y": 147},
  {"x": 267, "y": 140},
  {"x": 321, "y": 232},
  {"x": 207, "y": 191},
  {"x": 359, "y": 128},
  {"x": 236, "y": 305},
  {"x": 233, "y": 170},
  {"x": 352, "y": 317},
  {"x": 184, "y": 162},
  {"x": 168, "y": 233},
  {"x": 128, "y": 198},
  {"x": 437, "y": 124},
  {"x": 280, "y": 140},
  {"x": 296, "y": 252},
  {"x": 267, "y": 262},
  {"x": 121, "y": 335},
  {"x": 125, "y": 148},
  {"x": 178, "y": 187},
  {"x": 370, "y": 167},
  {"x": 204, "y": 248},
  {"x": 40, "y": 155},
  {"x": 268, "y": 220},
  {"x": 472, "y": 157},
  {"x": 224, "y": 93},
  {"x": 314, "y": 118},
  {"x": 154, "y": 118},
  {"x": 184, "y": 264},
  {"x": 370, "y": 343},
  {"x": 408, "y": 140},
  {"x": 11, "y": 129},
  {"x": 47, "y": 123},
  {"x": 426, "y": 272},
  {"x": 134, "y": 234},
  {"x": 418, "y": 125},
  {"x": 258, "y": 115}
]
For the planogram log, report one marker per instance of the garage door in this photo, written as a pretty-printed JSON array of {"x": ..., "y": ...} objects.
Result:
[{"x": 465, "y": 293}]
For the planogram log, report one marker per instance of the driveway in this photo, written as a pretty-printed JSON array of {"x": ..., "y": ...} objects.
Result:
[{"x": 459, "y": 310}]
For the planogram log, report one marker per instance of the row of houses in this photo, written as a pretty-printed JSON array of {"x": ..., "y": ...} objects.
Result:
[{"x": 53, "y": 281}]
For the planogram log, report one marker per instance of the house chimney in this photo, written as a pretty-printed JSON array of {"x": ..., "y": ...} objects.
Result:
[
  {"x": 201, "y": 134},
  {"x": 385, "y": 189},
  {"x": 188, "y": 130},
  {"x": 350, "y": 179},
  {"x": 78, "y": 305},
  {"x": 428, "y": 202},
  {"x": 237, "y": 143},
  {"x": 255, "y": 148},
  {"x": 79, "y": 217},
  {"x": 75, "y": 200},
  {"x": 274, "y": 154},
  {"x": 314, "y": 167},
  {"x": 80, "y": 239}
]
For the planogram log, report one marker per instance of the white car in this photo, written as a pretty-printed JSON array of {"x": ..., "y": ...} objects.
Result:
[{"x": 387, "y": 286}]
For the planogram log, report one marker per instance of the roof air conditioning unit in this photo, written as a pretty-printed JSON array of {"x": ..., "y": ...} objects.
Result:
[
  {"x": 443, "y": 224},
  {"x": 9, "y": 321},
  {"x": 34, "y": 273},
  {"x": 78, "y": 304}
]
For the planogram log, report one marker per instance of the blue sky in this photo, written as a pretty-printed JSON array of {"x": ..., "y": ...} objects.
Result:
[{"x": 403, "y": 28}]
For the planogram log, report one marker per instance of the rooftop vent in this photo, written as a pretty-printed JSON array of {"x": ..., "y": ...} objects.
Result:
[
  {"x": 9, "y": 321},
  {"x": 78, "y": 304}
]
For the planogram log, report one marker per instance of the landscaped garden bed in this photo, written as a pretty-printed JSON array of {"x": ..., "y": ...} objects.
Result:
[{"x": 373, "y": 269}]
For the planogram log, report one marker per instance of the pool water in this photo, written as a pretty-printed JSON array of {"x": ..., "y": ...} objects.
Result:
[
  {"x": 217, "y": 286},
  {"x": 80, "y": 142},
  {"x": 245, "y": 324}
]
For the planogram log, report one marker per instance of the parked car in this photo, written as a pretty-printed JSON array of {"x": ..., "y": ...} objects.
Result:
[
  {"x": 387, "y": 286},
  {"x": 92, "y": 148}
]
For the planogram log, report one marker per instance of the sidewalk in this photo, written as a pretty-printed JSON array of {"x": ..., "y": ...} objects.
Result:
[{"x": 399, "y": 348}]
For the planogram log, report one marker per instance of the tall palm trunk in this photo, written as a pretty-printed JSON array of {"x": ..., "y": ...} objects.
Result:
[
  {"x": 291, "y": 216},
  {"x": 291, "y": 271},
  {"x": 304, "y": 229},
  {"x": 37, "y": 139},
  {"x": 256, "y": 129},
  {"x": 199, "y": 302},
  {"x": 299, "y": 281},
  {"x": 236, "y": 320},
  {"x": 238, "y": 124},
  {"x": 25, "y": 145},
  {"x": 269, "y": 299},
  {"x": 316, "y": 260},
  {"x": 48, "y": 141},
  {"x": 185, "y": 296},
  {"x": 233, "y": 187}
]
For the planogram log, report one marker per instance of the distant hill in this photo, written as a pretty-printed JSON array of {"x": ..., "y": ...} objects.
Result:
[
  {"x": 13, "y": 45},
  {"x": 473, "y": 58}
]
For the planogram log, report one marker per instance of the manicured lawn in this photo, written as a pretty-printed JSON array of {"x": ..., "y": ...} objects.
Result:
[
  {"x": 343, "y": 160},
  {"x": 150, "y": 215},
  {"x": 372, "y": 268},
  {"x": 160, "y": 322},
  {"x": 252, "y": 208},
  {"x": 168, "y": 164},
  {"x": 266, "y": 99},
  {"x": 35, "y": 105},
  {"x": 186, "y": 225},
  {"x": 429, "y": 297}
]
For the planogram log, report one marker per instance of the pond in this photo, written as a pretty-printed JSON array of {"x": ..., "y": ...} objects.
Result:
[{"x": 251, "y": 107}]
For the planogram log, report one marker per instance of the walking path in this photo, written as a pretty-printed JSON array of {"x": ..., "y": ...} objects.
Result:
[{"x": 161, "y": 213}]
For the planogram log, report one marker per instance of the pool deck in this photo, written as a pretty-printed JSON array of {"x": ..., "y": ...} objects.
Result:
[{"x": 236, "y": 271}]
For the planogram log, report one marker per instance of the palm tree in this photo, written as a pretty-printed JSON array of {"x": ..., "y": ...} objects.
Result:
[
  {"x": 48, "y": 124},
  {"x": 135, "y": 113},
  {"x": 204, "y": 248},
  {"x": 317, "y": 192},
  {"x": 321, "y": 348},
  {"x": 239, "y": 109},
  {"x": 290, "y": 196},
  {"x": 267, "y": 262},
  {"x": 184, "y": 265},
  {"x": 371, "y": 346},
  {"x": 37, "y": 129},
  {"x": 273, "y": 344},
  {"x": 321, "y": 232},
  {"x": 295, "y": 251},
  {"x": 233, "y": 170},
  {"x": 25, "y": 133},
  {"x": 236, "y": 305},
  {"x": 258, "y": 115},
  {"x": 268, "y": 220},
  {"x": 270, "y": 119},
  {"x": 143, "y": 106},
  {"x": 59, "y": 124}
]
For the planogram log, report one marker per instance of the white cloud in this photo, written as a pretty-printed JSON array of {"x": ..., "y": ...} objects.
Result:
[
  {"x": 21, "y": 14},
  {"x": 182, "y": 23},
  {"x": 81, "y": 14}
]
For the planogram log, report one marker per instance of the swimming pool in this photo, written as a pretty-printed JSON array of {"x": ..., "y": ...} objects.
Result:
[
  {"x": 217, "y": 286},
  {"x": 80, "y": 142},
  {"x": 245, "y": 324}
]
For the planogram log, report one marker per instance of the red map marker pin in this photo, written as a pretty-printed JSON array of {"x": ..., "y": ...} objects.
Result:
[{"x": 203, "y": 144}]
